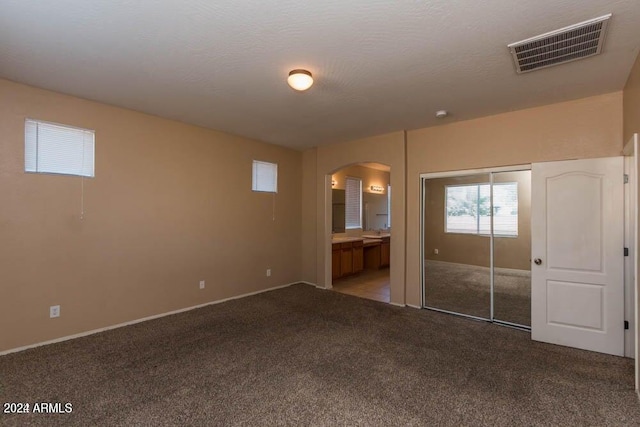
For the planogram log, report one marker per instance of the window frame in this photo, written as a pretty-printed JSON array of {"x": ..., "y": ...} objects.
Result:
[
  {"x": 31, "y": 150},
  {"x": 255, "y": 182}
]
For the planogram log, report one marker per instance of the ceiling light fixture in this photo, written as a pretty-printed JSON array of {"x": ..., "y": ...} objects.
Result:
[
  {"x": 441, "y": 114},
  {"x": 300, "y": 79}
]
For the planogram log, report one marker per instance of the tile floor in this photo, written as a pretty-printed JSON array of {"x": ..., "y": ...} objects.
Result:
[{"x": 370, "y": 284}]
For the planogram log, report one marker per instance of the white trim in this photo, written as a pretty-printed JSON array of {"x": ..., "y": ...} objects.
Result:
[
  {"x": 630, "y": 219},
  {"x": 631, "y": 149},
  {"x": 144, "y": 319},
  {"x": 414, "y": 306},
  {"x": 306, "y": 283},
  {"x": 397, "y": 304},
  {"x": 466, "y": 172}
]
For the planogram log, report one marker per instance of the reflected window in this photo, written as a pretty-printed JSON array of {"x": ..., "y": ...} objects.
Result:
[{"x": 468, "y": 209}]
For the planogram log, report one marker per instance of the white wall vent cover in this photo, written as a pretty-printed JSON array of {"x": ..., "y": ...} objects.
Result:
[{"x": 560, "y": 46}]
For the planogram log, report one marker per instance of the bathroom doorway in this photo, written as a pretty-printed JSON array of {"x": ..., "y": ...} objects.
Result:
[{"x": 361, "y": 231}]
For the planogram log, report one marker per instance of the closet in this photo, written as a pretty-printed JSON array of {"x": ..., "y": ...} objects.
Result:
[{"x": 477, "y": 245}]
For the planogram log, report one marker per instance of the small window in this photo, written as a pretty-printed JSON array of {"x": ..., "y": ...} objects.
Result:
[
  {"x": 265, "y": 177},
  {"x": 468, "y": 209},
  {"x": 59, "y": 149},
  {"x": 353, "y": 202}
]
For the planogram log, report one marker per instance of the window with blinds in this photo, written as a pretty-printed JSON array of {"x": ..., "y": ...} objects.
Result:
[
  {"x": 265, "y": 177},
  {"x": 58, "y": 149},
  {"x": 468, "y": 209},
  {"x": 353, "y": 202},
  {"x": 388, "y": 206}
]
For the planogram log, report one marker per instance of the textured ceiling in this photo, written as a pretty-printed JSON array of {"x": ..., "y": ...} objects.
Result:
[{"x": 379, "y": 65}]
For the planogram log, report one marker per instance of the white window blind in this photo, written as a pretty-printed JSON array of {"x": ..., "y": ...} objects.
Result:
[
  {"x": 468, "y": 209},
  {"x": 60, "y": 149},
  {"x": 388, "y": 206},
  {"x": 353, "y": 202},
  {"x": 505, "y": 209},
  {"x": 265, "y": 177}
]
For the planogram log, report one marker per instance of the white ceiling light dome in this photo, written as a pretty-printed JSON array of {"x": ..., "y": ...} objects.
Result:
[{"x": 300, "y": 79}]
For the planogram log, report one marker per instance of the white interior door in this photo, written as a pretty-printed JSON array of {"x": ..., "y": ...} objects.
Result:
[{"x": 577, "y": 225}]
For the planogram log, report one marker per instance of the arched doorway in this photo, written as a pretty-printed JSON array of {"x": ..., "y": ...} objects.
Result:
[{"x": 361, "y": 231}]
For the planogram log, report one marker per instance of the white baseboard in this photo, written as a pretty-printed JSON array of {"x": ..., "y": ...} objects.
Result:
[
  {"x": 308, "y": 283},
  {"x": 144, "y": 319},
  {"x": 414, "y": 306},
  {"x": 397, "y": 304}
]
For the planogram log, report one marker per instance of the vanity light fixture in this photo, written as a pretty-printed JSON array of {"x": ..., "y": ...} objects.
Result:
[
  {"x": 300, "y": 79},
  {"x": 377, "y": 188}
]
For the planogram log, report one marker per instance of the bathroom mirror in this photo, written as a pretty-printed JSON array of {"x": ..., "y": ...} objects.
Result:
[
  {"x": 338, "y": 210},
  {"x": 375, "y": 213}
]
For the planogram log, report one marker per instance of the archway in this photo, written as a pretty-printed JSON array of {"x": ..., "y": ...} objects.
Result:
[{"x": 360, "y": 231}]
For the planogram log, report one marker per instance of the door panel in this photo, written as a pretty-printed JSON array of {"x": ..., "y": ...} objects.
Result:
[
  {"x": 586, "y": 309},
  {"x": 577, "y": 239},
  {"x": 569, "y": 247}
]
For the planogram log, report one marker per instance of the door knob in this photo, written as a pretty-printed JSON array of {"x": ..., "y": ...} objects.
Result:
[{"x": 538, "y": 261}]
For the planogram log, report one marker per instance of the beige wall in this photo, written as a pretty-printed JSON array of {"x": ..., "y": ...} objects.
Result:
[
  {"x": 309, "y": 216},
  {"x": 585, "y": 128},
  {"x": 631, "y": 101},
  {"x": 509, "y": 252},
  {"x": 171, "y": 204},
  {"x": 388, "y": 149}
]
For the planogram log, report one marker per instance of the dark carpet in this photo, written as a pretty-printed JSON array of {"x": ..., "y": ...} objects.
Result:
[
  {"x": 303, "y": 356},
  {"x": 466, "y": 289}
]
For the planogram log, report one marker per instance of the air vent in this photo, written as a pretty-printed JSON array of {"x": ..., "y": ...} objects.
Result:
[{"x": 560, "y": 46}]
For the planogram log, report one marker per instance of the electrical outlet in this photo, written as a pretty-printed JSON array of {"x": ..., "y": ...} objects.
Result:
[
  {"x": 54, "y": 311},
  {"x": 435, "y": 252},
  {"x": 268, "y": 272},
  {"x": 201, "y": 284}
]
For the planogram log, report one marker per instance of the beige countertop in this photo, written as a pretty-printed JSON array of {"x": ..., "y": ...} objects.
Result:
[
  {"x": 376, "y": 236},
  {"x": 366, "y": 239},
  {"x": 346, "y": 239}
]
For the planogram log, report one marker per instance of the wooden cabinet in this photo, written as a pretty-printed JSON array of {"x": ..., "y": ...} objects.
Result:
[
  {"x": 372, "y": 256},
  {"x": 335, "y": 260},
  {"x": 377, "y": 254},
  {"x": 346, "y": 258},
  {"x": 385, "y": 252},
  {"x": 358, "y": 257}
]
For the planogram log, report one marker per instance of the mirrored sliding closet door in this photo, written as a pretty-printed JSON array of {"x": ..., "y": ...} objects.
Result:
[{"x": 477, "y": 245}]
